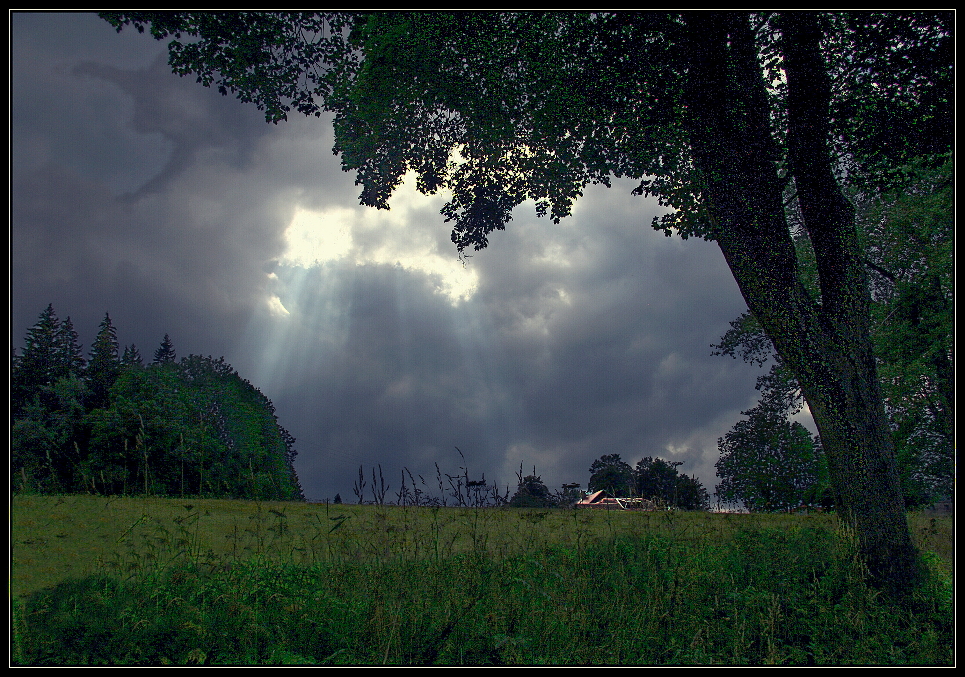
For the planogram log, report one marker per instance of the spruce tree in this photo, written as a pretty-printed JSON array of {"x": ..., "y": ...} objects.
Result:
[
  {"x": 36, "y": 365},
  {"x": 165, "y": 353},
  {"x": 69, "y": 357},
  {"x": 47, "y": 405},
  {"x": 104, "y": 364},
  {"x": 132, "y": 357}
]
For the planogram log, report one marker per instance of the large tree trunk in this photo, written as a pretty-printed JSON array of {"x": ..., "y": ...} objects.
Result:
[{"x": 825, "y": 342}]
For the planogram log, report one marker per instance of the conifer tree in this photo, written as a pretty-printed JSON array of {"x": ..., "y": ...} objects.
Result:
[
  {"x": 47, "y": 404},
  {"x": 36, "y": 365},
  {"x": 132, "y": 357},
  {"x": 104, "y": 364},
  {"x": 165, "y": 353},
  {"x": 69, "y": 357}
]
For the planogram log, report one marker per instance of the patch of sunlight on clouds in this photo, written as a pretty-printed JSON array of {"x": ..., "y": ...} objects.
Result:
[
  {"x": 316, "y": 237},
  {"x": 403, "y": 236},
  {"x": 276, "y": 307}
]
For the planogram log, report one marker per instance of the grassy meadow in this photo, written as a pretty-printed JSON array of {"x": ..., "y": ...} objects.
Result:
[{"x": 98, "y": 580}]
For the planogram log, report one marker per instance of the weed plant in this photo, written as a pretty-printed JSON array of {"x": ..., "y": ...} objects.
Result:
[{"x": 257, "y": 584}]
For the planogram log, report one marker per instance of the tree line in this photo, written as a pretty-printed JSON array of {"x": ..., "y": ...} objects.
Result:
[
  {"x": 111, "y": 424},
  {"x": 653, "y": 478}
]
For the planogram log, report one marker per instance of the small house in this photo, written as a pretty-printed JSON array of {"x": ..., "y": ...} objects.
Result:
[{"x": 600, "y": 501}]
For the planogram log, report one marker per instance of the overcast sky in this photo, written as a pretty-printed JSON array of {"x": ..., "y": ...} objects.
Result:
[{"x": 180, "y": 211}]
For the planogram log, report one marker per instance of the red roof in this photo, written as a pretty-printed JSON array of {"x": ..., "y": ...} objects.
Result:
[{"x": 598, "y": 499}]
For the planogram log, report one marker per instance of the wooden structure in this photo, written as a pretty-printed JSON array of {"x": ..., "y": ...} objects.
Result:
[{"x": 600, "y": 501}]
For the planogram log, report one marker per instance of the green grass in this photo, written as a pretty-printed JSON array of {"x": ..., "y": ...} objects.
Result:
[{"x": 164, "y": 581}]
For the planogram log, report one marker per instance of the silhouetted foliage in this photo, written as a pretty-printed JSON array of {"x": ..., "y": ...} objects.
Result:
[
  {"x": 769, "y": 464},
  {"x": 165, "y": 352},
  {"x": 193, "y": 427},
  {"x": 68, "y": 353},
  {"x": 658, "y": 479},
  {"x": 104, "y": 364},
  {"x": 611, "y": 474},
  {"x": 132, "y": 357},
  {"x": 532, "y": 493},
  {"x": 35, "y": 366},
  {"x": 653, "y": 479}
]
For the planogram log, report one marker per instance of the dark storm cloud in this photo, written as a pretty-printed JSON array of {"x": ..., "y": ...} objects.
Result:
[
  {"x": 618, "y": 324},
  {"x": 146, "y": 195},
  {"x": 188, "y": 119},
  {"x": 125, "y": 183}
]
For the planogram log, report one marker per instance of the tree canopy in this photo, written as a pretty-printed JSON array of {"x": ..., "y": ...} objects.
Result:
[
  {"x": 769, "y": 464},
  {"x": 165, "y": 352},
  {"x": 656, "y": 478},
  {"x": 611, "y": 474},
  {"x": 537, "y": 105},
  {"x": 104, "y": 364},
  {"x": 736, "y": 121},
  {"x": 652, "y": 478},
  {"x": 192, "y": 427},
  {"x": 532, "y": 493}
]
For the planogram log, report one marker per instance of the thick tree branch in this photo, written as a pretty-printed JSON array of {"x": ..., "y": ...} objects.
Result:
[{"x": 828, "y": 216}]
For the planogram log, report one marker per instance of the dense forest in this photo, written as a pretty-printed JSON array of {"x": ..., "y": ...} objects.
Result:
[{"x": 111, "y": 424}]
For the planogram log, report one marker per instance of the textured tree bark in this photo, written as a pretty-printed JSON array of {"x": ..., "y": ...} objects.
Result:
[{"x": 825, "y": 342}]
